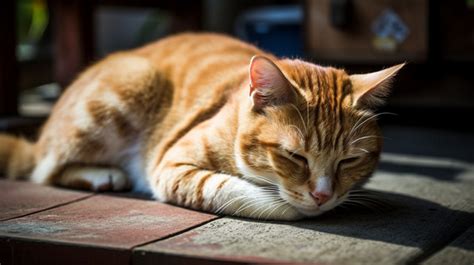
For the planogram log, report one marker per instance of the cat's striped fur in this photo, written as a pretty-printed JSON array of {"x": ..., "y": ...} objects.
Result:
[{"x": 192, "y": 119}]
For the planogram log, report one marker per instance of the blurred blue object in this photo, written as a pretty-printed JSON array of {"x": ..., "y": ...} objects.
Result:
[{"x": 277, "y": 29}]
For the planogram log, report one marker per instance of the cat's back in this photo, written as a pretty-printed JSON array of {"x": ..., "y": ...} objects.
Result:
[
  {"x": 203, "y": 69},
  {"x": 199, "y": 64},
  {"x": 188, "y": 52}
]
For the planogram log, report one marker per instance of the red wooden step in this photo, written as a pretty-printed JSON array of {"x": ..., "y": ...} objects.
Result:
[
  {"x": 22, "y": 198},
  {"x": 94, "y": 230}
]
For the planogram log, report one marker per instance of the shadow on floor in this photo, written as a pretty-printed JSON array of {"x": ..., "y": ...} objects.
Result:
[{"x": 410, "y": 222}]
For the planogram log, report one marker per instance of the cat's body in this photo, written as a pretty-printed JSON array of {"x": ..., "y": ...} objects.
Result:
[{"x": 188, "y": 119}]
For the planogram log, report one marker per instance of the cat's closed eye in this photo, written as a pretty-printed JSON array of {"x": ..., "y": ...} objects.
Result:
[
  {"x": 294, "y": 156},
  {"x": 350, "y": 161}
]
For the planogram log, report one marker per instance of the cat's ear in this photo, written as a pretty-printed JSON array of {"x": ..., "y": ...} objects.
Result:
[
  {"x": 268, "y": 85},
  {"x": 369, "y": 90}
]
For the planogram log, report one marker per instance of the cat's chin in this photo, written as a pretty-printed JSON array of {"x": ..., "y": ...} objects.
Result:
[
  {"x": 316, "y": 211},
  {"x": 311, "y": 213}
]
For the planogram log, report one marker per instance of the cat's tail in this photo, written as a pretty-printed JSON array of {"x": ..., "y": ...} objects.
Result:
[{"x": 16, "y": 157}]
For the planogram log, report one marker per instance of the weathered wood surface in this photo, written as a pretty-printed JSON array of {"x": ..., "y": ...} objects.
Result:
[
  {"x": 427, "y": 213},
  {"x": 45, "y": 225},
  {"x": 459, "y": 252},
  {"x": 22, "y": 198}
]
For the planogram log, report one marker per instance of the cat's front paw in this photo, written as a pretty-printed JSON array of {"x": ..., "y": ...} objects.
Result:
[{"x": 94, "y": 179}]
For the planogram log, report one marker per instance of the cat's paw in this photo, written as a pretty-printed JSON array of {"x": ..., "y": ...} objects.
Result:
[
  {"x": 110, "y": 179},
  {"x": 95, "y": 179}
]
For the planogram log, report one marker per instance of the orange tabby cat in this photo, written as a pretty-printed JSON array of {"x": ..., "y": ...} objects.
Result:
[{"x": 211, "y": 123}]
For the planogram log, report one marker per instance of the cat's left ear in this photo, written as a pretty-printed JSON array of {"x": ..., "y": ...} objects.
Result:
[
  {"x": 268, "y": 85},
  {"x": 369, "y": 90}
]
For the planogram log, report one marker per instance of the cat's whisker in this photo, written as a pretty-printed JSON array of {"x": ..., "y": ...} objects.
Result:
[
  {"x": 277, "y": 190},
  {"x": 359, "y": 191},
  {"x": 356, "y": 203},
  {"x": 301, "y": 117},
  {"x": 361, "y": 198},
  {"x": 357, "y": 126},
  {"x": 307, "y": 113},
  {"x": 368, "y": 200},
  {"x": 268, "y": 207},
  {"x": 228, "y": 203},
  {"x": 266, "y": 196},
  {"x": 363, "y": 194},
  {"x": 294, "y": 152},
  {"x": 225, "y": 205},
  {"x": 274, "y": 188},
  {"x": 286, "y": 209},
  {"x": 278, "y": 206},
  {"x": 298, "y": 130},
  {"x": 341, "y": 199},
  {"x": 256, "y": 210},
  {"x": 378, "y": 201},
  {"x": 357, "y": 122},
  {"x": 271, "y": 189},
  {"x": 363, "y": 150},
  {"x": 245, "y": 206},
  {"x": 363, "y": 138},
  {"x": 249, "y": 204},
  {"x": 275, "y": 207},
  {"x": 263, "y": 179}
]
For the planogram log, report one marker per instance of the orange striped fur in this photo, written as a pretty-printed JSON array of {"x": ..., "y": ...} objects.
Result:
[{"x": 200, "y": 122}]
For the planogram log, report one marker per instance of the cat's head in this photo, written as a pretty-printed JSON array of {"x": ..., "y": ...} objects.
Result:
[{"x": 310, "y": 131}]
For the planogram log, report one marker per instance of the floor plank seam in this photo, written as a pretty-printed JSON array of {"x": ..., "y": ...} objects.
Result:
[
  {"x": 437, "y": 247},
  {"x": 174, "y": 234},
  {"x": 49, "y": 208}
]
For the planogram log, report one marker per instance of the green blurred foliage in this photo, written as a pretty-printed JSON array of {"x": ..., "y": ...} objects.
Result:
[{"x": 32, "y": 20}]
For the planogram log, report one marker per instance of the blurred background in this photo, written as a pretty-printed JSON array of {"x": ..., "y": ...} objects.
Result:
[{"x": 45, "y": 43}]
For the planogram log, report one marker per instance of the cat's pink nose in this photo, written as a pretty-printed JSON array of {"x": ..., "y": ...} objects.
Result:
[{"x": 320, "y": 197}]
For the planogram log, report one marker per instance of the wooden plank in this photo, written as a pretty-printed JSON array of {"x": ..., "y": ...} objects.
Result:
[
  {"x": 8, "y": 63},
  {"x": 427, "y": 212},
  {"x": 99, "y": 222},
  {"x": 460, "y": 251},
  {"x": 23, "y": 198}
]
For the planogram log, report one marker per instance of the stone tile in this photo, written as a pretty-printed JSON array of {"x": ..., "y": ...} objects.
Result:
[
  {"x": 426, "y": 213},
  {"x": 104, "y": 221},
  {"x": 459, "y": 252},
  {"x": 22, "y": 198}
]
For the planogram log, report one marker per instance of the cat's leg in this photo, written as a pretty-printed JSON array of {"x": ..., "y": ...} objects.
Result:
[
  {"x": 98, "y": 121},
  {"x": 201, "y": 189},
  {"x": 178, "y": 180},
  {"x": 94, "y": 178}
]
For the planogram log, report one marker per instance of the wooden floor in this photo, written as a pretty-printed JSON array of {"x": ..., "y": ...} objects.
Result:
[{"x": 427, "y": 217}]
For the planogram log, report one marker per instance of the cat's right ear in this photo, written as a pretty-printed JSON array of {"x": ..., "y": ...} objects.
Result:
[{"x": 268, "y": 85}]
